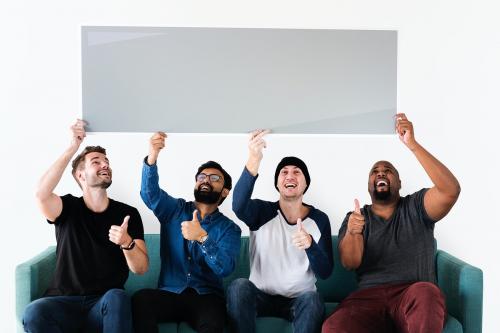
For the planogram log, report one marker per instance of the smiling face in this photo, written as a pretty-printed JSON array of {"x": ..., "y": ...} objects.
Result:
[
  {"x": 209, "y": 187},
  {"x": 383, "y": 182},
  {"x": 95, "y": 171},
  {"x": 291, "y": 182}
]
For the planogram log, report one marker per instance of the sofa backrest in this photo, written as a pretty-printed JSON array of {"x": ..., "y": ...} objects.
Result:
[{"x": 334, "y": 289}]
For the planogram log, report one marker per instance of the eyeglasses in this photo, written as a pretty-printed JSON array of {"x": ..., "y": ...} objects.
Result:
[{"x": 213, "y": 178}]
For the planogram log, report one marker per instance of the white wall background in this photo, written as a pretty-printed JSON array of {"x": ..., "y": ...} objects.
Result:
[{"x": 448, "y": 75}]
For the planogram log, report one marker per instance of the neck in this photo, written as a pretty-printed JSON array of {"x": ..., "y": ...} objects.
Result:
[
  {"x": 384, "y": 209},
  {"x": 293, "y": 209},
  {"x": 205, "y": 209},
  {"x": 96, "y": 199}
]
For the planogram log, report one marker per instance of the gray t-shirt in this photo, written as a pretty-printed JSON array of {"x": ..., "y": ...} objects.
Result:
[{"x": 399, "y": 250}]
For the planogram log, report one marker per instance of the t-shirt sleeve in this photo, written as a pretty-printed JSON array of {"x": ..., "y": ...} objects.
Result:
[
  {"x": 135, "y": 227},
  {"x": 418, "y": 209},
  {"x": 67, "y": 201},
  {"x": 343, "y": 227}
]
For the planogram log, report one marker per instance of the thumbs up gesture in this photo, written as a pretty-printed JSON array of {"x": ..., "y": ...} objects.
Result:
[
  {"x": 118, "y": 234},
  {"x": 356, "y": 221},
  {"x": 301, "y": 238},
  {"x": 192, "y": 230}
]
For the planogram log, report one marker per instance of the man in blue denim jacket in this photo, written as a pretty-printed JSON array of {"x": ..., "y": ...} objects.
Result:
[{"x": 199, "y": 246}]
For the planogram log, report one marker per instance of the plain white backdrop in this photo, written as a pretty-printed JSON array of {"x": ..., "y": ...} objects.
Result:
[{"x": 448, "y": 79}]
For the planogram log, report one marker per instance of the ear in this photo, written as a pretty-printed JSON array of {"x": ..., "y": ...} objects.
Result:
[
  {"x": 225, "y": 192},
  {"x": 80, "y": 175}
]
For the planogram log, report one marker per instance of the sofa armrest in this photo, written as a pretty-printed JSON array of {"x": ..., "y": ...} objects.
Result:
[
  {"x": 33, "y": 278},
  {"x": 462, "y": 285}
]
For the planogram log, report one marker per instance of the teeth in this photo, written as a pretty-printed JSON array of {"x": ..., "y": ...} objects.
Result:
[
  {"x": 290, "y": 185},
  {"x": 381, "y": 183}
]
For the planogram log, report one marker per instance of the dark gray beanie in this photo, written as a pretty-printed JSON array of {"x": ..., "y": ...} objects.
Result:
[{"x": 295, "y": 161}]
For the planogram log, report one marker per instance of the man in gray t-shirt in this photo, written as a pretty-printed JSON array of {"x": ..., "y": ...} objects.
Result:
[{"x": 390, "y": 244}]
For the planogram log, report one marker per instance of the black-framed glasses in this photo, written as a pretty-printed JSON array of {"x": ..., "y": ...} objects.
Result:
[{"x": 213, "y": 178}]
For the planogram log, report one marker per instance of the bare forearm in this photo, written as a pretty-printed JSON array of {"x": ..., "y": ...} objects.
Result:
[
  {"x": 137, "y": 259},
  {"x": 442, "y": 178},
  {"x": 253, "y": 166},
  {"x": 53, "y": 175},
  {"x": 351, "y": 250}
]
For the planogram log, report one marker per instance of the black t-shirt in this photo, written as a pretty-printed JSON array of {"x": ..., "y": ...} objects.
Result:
[
  {"x": 399, "y": 250},
  {"x": 87, "y": 262}
]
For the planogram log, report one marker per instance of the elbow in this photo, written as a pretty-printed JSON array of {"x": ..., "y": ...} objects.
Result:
[
  {"x": 40, "y": 195},
  {"x": 325, "y": 273},
  {"x": 458, "y": 189},
  {"x": 140, "y": 270},
  {"x": 225, "y": 271},
  {"x": 453, "y": 194},
  {"x": 350, "y": 265},
  {"x": 236, "y": 207}
]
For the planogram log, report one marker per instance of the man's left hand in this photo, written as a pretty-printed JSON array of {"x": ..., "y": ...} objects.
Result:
[{"x": 404, "y": 129}]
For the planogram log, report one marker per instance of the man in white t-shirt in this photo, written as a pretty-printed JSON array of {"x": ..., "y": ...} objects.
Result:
[{"x": 290, "y": 244}]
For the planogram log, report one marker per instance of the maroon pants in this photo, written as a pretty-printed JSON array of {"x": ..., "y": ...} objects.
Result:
[{"x": 410, "y": 307}]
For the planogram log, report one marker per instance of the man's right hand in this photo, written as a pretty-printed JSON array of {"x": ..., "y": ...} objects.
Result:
[
  {"x": 356, "y": 222},
  {"x": 78, "y": 133},
  {"x": 156, "y": 143},
  {"x": 255, "y": 146}
]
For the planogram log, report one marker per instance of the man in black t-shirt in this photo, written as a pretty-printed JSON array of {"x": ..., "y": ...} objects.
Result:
[
  {"x": 390, "y": 244},
  {"x": 98, "y": 241}
]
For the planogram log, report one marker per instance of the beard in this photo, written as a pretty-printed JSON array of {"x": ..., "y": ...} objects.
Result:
[
  {"x": 104, "y": 184},
  {"x": 207, "y": 197},
  {"x": 382, "y": 195}
]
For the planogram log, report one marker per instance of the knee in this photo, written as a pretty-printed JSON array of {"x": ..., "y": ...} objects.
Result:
[
  {"x": 34, "y": 313},
  {"x": 427, "y": 293},
  {"x": 239, "y": 289},
  {"x": 116, "y": 298},
  {"x": 311, "y": 301},
  {"x": 142, "y": 299}
]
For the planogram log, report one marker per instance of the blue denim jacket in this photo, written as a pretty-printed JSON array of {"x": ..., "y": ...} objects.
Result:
[{"x": 189, "y": 264}]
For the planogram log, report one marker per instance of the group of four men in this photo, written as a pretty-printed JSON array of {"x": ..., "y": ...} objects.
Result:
[{"x": 389, "y": 243}]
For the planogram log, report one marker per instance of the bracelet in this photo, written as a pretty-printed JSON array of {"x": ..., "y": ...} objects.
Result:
[
  {"x": 129, "y": 247},
  {"x": 202, "y": 238}
]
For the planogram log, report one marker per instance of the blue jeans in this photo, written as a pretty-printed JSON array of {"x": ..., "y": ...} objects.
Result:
[
  {"x": 245, "y": 302},
  {"x": 108, "y": 313}
]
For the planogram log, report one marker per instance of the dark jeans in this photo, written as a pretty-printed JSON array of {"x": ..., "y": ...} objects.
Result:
[
  {"x": 108, "y": 313},
  {"x": 204, "y": 313},
  {"x": 408, "y": 308},
  {"x": 245, "y": 302}
]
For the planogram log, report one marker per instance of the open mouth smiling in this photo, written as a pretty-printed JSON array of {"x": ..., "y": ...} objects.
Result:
[
  {"x": 205, "y": 188},
  {"x": 381, "y": 184}
]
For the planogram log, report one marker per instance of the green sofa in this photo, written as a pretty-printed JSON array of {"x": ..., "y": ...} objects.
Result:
[{"x": 461, "y": 283}]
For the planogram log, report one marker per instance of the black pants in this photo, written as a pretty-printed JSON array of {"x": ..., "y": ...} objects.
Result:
[{"x": 204, "y": 313}]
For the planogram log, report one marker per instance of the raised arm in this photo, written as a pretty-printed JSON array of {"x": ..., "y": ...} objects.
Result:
[
  {"x": 50, "y": 204},
  {"x": 442, "y": 196},
  {"x": 351, "y": 246},
  {"x": 250, "y": 211},
  {"x": 162, "y": 204},
  {"x": 255, "y": 146}
]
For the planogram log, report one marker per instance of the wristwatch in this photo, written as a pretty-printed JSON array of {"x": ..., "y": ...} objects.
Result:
[
  {"x": 203, "y": 238},
  {"x": 129, "y": 247}
]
